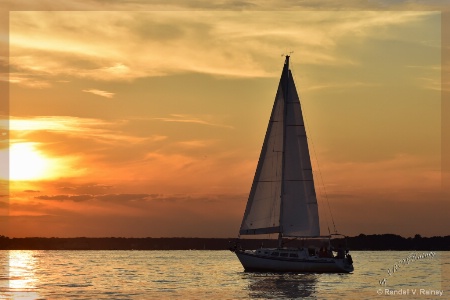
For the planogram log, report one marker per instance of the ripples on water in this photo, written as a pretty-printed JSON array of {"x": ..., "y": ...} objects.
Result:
[{"x": 206, "y": 275}]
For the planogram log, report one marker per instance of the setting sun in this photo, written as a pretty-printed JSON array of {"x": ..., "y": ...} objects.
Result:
[{"x": 28, "y": 163}]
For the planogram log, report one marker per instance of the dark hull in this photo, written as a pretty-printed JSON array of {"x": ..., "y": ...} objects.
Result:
[{"x": 258, "y": 263}]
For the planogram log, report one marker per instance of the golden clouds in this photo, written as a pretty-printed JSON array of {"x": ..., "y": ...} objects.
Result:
[
  {"x": 83, "y": 149},
  {"x": 137, "y": 215},
  {"x": 179, "y": 118},
  {"x": 66, "y": 124},
  {"x": 100, "y": 93},
  {"x": 98, "y": 45},
  {"x": 45, "y": 148}
]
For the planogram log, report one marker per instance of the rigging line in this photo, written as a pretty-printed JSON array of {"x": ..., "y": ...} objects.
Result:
[
  {"x": 323, "y": 186},
  {"x": 317, "y": 162}
]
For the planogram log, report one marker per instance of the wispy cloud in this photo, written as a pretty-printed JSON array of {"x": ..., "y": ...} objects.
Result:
[
  {"x": 178, "y": 5},
  {"x": 238, "y": 46},
  {"x": 101, "y": 130},
  {"x": 179, "y": 118},
  {"x": 196, "y": 143},
  {"x": 121, "y": 198},
  {"x": 144, "y": 215},
  {"x": 338, "y": 86},
  {"x": 100, "y": 93},
  {"x": 430, "y": 76},
  {"x": 28, "y": 81},
  {"x": 54, "y": 123},
  {"x": 73, "y": 142}
]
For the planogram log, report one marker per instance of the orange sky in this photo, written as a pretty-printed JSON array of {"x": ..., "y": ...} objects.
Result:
[{"x": 149, "y": 123}]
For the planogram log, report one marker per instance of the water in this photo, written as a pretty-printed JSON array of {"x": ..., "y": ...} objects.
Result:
[{"x": 212, "y": 275}]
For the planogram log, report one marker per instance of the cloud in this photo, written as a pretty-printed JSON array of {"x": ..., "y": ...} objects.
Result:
[
  {"x": 338, "y": 86},
  {"x": 73, "y": 188},
  {"x": 155, "y": 214},
  {"x": 28, "y": 81},
  {"x": 196, "y": 143},
  {"x": 55, "y": 123},
  {"x": 180, "y": 118},
  {"x": 98, "y": 129},
  {"x": 431, "y": 77},
  {"x": 112, "y": 151},
  {"x": 118, "y": 198},
  {"x": 124, "y": 198},
  {"x": 92, "y": 146},
  {"x": 237, "y": 5},
  {"x": 100, "y": 93},
  {"x": 239, "y": 43},
  {"x": 75, "y": 198},
  {"x": 216, "y": 215}
]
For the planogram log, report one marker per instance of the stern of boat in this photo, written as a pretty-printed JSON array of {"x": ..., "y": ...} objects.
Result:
[{"x": 346, "y": 265}]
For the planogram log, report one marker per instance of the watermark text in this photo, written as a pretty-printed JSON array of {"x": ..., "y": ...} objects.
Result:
[
  {"x": 406, "y": 261},
  {"x": 410, "y": 292}
]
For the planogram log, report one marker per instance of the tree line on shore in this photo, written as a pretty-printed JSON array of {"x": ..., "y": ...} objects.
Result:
[{"x": 360, "y": 242}]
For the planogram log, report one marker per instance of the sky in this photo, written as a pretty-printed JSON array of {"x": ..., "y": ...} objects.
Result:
[{"x": 138, "y": 122}]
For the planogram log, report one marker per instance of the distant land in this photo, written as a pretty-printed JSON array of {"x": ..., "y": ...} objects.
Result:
[{"x": 360, "y": 242}]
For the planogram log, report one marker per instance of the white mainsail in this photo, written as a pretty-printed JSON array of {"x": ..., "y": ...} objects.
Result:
[{"x": 282, "y": 198}]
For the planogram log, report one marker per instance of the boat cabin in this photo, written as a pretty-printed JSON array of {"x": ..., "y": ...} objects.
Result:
[{"x": 294, "y": 252}]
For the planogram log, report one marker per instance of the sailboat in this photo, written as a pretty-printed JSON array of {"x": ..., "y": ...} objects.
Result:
[{"x": 282, "y": 198}]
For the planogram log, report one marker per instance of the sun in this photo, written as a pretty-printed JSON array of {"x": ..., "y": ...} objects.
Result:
[{"x": 26, "y": 162}]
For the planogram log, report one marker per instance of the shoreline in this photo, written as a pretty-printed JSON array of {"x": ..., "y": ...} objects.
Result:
[{"x": 376, "y": 242}]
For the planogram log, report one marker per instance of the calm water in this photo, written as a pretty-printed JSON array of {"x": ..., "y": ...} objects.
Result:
[{"x": 212, "y": 275}]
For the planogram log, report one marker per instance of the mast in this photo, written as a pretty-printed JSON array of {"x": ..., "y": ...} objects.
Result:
[{"x": 283, "y": 157}]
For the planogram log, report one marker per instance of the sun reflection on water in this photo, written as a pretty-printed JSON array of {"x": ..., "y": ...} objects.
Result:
[{"x": 21, "y": 283}]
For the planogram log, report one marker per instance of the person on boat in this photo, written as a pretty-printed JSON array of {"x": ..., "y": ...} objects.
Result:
[
  {"x": 323, "y": 252},
  {"x": 237, "y": 246},
  {"x": 349, "y": 258},
  {"x": 329, "y": 252},
  {"x": 341, "y": 252}
]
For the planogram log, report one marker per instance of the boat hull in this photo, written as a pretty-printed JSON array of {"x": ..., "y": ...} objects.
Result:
[{"x": 253, "y": 262}]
